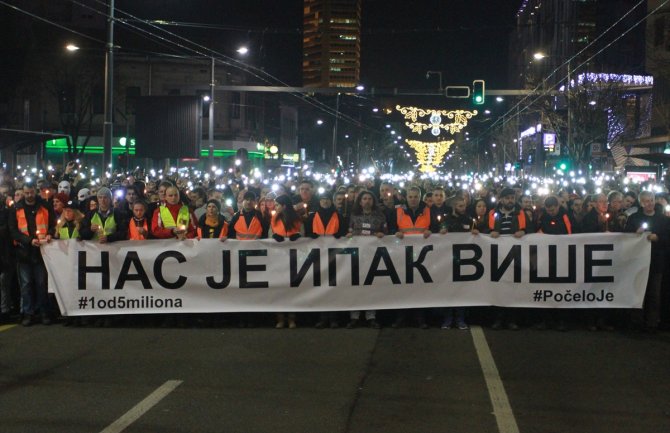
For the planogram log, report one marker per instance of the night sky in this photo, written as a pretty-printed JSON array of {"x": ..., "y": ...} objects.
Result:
[{"x": 401, "y": 40}]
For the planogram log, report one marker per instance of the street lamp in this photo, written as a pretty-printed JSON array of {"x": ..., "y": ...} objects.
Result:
[
  {"x": 438, "y": 73},
  {"x": 71, "y": 47}
]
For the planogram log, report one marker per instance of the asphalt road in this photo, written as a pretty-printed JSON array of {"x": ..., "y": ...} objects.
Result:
[{"x": 61, "y": 379}]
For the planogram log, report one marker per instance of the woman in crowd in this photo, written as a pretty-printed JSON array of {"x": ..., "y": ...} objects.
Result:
[
  {"x": 285, "y": 224},
  {"x": 212, "y": 225},
  {"x": 173, "y": 219},
  {"x": 366, "y": 220}
]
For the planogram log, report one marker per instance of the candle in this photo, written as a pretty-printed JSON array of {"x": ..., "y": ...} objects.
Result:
[
  {"x": 182, "y": 227},
  {"x": 474, "y": 222},
  {"x": 607, "y": 222}
]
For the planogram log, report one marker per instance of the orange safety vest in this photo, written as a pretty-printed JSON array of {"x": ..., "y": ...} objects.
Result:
[
  {"x": 279, "y": 229},
  {"x": 133, "y": 233},
  {"x": 224, "y": 231},
  {"x": 406, "y": 226},
  {"x": 41, "y": 222},
  {"x": 566, "y": 221},
  {"x": 244, "y": 233},
  {"x": 332, "y": 228},
  {"x": 492, "y": 220}
]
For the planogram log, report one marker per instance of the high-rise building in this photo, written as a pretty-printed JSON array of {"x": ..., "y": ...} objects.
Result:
[{"x": 331, "y": 43}]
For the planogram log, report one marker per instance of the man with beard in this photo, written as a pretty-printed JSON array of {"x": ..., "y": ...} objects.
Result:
[
  {"x": 650, "y": 220},
  {"x": 248, "y": 223},
  {"x": 440, "y": 211},
  {"x": 30, "y": 224},
  {"x": 506, "y": 219}
]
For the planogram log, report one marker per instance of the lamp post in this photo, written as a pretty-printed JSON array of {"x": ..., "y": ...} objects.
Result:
[
  {"x": 333, "y": 156},
  {"x": 439, "y": 75},
  {"x": 108, "y": 126},
  {"x": 212, "y": 85}
]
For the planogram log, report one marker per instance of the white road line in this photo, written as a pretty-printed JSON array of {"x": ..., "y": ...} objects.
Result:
[
  {"x": 142, "y": 407},
  {"x": 501, "y": 407}
]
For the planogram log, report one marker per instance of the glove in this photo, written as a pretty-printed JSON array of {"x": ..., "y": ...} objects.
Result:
[
  {"x": 278, "y": 238},
  {"x": 294, "y": 237}
]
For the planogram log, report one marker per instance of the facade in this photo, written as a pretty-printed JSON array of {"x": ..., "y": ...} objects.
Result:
[
  {"x": 331, "y": 43},
  {"x": 568, "y": 35}
]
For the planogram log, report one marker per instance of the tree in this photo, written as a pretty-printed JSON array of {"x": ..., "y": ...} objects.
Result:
[
  {"x": 72, "y": 86},
  {"x": 600, "y": 113}
]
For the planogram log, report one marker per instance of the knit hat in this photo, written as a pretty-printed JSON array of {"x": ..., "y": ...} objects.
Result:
[
  {"x": 270, "y": 196},
  {"x": 249, "y": 196},
  {"x": 62, "y": 197},
  {"x": 83, "y": 194},
  {"x": 506, "y": 191},
  {"x": 325, "y": 196},
  {"x": 69, "y": 205},
  {"x": 104, "y": 191}
]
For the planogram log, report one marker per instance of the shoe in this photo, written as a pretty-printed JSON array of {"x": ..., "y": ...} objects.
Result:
[
  {"x": 279, "y": 325},
  {"x": 374, "y": 324},
  {"x": 46, "y": 320},
  {"x": 291, "y": 324},
  {"x": 497, "y": 325},
  {"x": 512, "y": 326},
  {"x": 463, "y": 326},
  {"x": 27, "y": 320},
  {"x": 334, "y": 325},
  {"x": 320, "y": 325},
  {"x": 353, "y": 323},
  {"x": 446, "y": 325}
]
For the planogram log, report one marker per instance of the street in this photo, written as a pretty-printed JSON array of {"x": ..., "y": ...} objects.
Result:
[{"x": 62, "y": 379}]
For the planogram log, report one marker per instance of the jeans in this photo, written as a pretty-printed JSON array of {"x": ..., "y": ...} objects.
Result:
[
  {"x": 6, "y": 289},
  {"x": 33, "y": 284}
]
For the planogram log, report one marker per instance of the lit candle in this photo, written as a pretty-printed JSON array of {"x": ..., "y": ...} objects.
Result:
[
  {"x": 474, "y": 222},
  {"x": 182, "y": 228},
  {"x": 607, "y": 222}
]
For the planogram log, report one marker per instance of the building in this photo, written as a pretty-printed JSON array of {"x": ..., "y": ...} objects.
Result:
[
  {"x": 331, "y": 43},
  {"x": 574, "y": 59}
]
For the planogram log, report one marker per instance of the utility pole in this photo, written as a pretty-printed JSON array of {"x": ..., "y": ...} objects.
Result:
[
  {"x": 211, "y": 116},
  {"x": 108, "y": 126},
  {"x": 333, "y": 156}
]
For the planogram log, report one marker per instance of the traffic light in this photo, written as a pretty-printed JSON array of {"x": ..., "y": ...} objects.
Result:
[
  {"x": 478, "y": 92},
  {"x": 563, "y": 165}
]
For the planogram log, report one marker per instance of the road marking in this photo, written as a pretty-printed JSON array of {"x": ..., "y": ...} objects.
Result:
[
  {"x": 501, "y": 407},
  {"x": 142, "y": 407},
  {"x": 6, "y": 327}
]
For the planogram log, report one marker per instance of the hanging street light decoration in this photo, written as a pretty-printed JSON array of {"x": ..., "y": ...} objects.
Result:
[
  {"x": 459, "y": 119},
  {"x": 429, "y": 154}
]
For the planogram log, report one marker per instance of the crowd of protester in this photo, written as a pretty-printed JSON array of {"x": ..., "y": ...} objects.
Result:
[{"x": 62, "y": 207}]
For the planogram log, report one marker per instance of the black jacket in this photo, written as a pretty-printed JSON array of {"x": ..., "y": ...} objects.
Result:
[{"x": 25, "y": 251}]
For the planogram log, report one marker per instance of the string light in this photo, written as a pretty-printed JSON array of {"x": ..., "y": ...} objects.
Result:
[{"x": 460, "y": 119}]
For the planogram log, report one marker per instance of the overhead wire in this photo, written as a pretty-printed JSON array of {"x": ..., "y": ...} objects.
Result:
[
  {"x": 538, "y": 94},
  {"x": 226, "y": 60}
]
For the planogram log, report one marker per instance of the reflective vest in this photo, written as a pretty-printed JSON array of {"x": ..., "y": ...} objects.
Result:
[
  {"x": 108, "y": 227},
  {"x": 133, "y": 233},
  {"x": 566, "y": 221},
  {"x": 494, "y": 220},
  {"x": 254, "y": 231},
  {"x": 279, "y": 229},
  {"x": 64, "y": 233},
  {"x": 41, "y": 222},
  {"x": 332, "y": 228},
  {"x": 210, "y": 231},
  {"x": 183, "y": 217},
  {"x": 408, "y": 227}
]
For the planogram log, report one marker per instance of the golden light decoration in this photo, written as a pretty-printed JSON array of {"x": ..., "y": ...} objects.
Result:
[
  {"x": 429, "y": 154},
  {"x": 460, "y": 119}
]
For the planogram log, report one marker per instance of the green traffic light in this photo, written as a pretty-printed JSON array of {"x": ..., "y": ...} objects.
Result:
[{"x": 563, "y": 166}]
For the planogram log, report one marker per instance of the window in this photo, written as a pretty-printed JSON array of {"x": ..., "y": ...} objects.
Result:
[{"x": 659, "y": 31}]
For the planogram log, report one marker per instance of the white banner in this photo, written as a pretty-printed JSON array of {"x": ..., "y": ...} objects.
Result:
[{"x": 604, "y": 270}]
